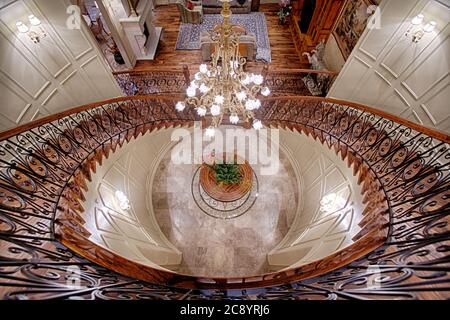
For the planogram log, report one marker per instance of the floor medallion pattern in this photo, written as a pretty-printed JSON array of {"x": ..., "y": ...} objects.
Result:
[
  {"x": 218, "y": 208},
  {"x": 213, "y": 247}
]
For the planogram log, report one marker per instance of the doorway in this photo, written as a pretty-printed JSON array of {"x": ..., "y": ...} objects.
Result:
[{"x": 307, "y": 14}]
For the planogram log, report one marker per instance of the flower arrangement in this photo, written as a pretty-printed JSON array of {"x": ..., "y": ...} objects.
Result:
[{"x": 285, "y": 10}]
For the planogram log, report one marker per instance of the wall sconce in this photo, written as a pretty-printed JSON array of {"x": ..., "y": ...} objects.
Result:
[
  {"x": 418, "y": 29},
  {"x": 332, "y": 203},
  {"x": 35, "y": 35},
  {"x": 122, "y": 200}
]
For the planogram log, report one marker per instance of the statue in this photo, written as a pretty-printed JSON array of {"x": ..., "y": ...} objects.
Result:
[
  {"x": 315, "y": 58},
  {"x": 318, "y": 83}
]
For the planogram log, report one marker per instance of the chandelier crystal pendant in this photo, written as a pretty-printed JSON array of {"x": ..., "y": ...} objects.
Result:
[{"x": 223, "y": 88}]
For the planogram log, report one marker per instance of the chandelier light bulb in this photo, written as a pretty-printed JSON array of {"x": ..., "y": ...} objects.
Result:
[
  {"x": 201, "y": 111},
  {"x": 246, "y": 81},
  {"x": 203, "y": 68},
  {"x": 190, "y": 92},
  {"x": 194, "y": 85},
  {"x": 234, "y": 118},
  {"x": 429, "y": 27},
  {"x": 180, "y": 106},
  {"x": 224, "y": 88},
  {"x": 219, "y": 99},
  {"x": 210, "y": 132},
  {"x": 249, "y": 105},
  {"x": 417, "y": 19},
  {"x": 257, "y": 125},
  {"x": 241, "y": 96},
  {"x": 33, "y": 20},
  {"x": 215, "y": 110},
  {"x": 21, "y": 27},
  {"x": 203, "y": 88},
  {"x": 252, "y": 104},
  {"x": 265, "y": 91},
  {"x": 258, "y": 79}
]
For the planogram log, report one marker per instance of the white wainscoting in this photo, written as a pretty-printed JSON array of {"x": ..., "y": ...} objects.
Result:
[
  {"x": 388, "y": 71},
  {"x": 316, "y": 233},
  {"x": 134, "y": 233},
  {"x": 64, "y": 70}
]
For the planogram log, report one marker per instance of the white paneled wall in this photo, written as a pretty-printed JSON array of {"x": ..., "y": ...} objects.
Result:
[
  {"x": 318, "y": 230},
  {"x": 388, "y": 71},
  {"x": 134, "y": 233},
  {"x": 65, "y": 69}
]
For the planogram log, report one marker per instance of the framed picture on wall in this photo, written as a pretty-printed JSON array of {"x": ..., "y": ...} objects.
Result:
[{"x": 351, "y": 24}]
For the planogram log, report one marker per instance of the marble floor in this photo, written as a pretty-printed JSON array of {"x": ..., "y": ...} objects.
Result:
[{"x": 223, "y": 248}]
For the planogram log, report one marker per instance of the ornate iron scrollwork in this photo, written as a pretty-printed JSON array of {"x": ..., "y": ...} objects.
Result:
[{"x": 411, "y": 167}]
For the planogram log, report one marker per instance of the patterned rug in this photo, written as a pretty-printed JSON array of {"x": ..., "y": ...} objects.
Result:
[{"x": 189, "y": 35}]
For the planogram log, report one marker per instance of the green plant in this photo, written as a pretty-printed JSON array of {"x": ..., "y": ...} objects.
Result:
[{"x": 227, "y": 173}]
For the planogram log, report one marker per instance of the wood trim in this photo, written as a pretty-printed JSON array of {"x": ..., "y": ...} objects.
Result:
[
  {"x": 183, "y": 70},
  {"x": 156, "y": 69},
  {"x": 428, "y": 131},
  {"x": 332, "y": 73},
  {"x": 425, "y": 130},
  {"x": 422, "y": 129},
  {"x": 39, "y": 122}
]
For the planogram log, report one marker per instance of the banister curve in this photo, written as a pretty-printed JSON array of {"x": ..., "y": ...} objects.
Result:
[
  {"x": 410, "y": 170},
  {"x": 428, "y": 131}
]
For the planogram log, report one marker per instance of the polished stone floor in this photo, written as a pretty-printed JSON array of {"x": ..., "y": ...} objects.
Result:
[{"x": 223, "y": 248}]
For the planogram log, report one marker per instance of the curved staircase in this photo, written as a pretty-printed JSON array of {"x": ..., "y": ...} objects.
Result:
[{"x": 401, "y": 250}]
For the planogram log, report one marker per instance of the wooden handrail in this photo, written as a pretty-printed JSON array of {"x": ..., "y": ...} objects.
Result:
[
  {"x": 38, "y": 122},
  {"x": 366, "y": 152},
  {"x": 153, "y": 69},
  {"x": 420, "y": 128},
  {"x": 269, "y": 70},
  {"x": 331, "y": 73}
]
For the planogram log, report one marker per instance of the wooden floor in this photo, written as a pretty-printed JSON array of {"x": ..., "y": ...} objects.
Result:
[{"x": 283, "y": 51}]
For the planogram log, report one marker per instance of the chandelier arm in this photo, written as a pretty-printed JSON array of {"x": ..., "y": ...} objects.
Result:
[
  {"x": 255, "y": 90},
  {"x": 223, "y": 86},
  {"x": 192, "y": 101}
]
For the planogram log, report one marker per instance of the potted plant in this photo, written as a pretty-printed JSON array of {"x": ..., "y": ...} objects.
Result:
[
  {"x": 112, "y": 46},
  {"x": 285, "y": 10},
  {"x": 227, "y": 173},
  {"x": 225, "y": 179}
]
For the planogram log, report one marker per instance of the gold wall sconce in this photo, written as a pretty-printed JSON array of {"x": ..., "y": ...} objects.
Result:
[{"x": 35, "y": 32}]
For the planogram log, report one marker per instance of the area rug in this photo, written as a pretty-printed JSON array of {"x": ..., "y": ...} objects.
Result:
[{"x": 189, "y": 35}]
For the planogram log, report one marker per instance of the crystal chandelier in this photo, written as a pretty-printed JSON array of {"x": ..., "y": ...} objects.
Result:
[{"x": 223, "y": 87}]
